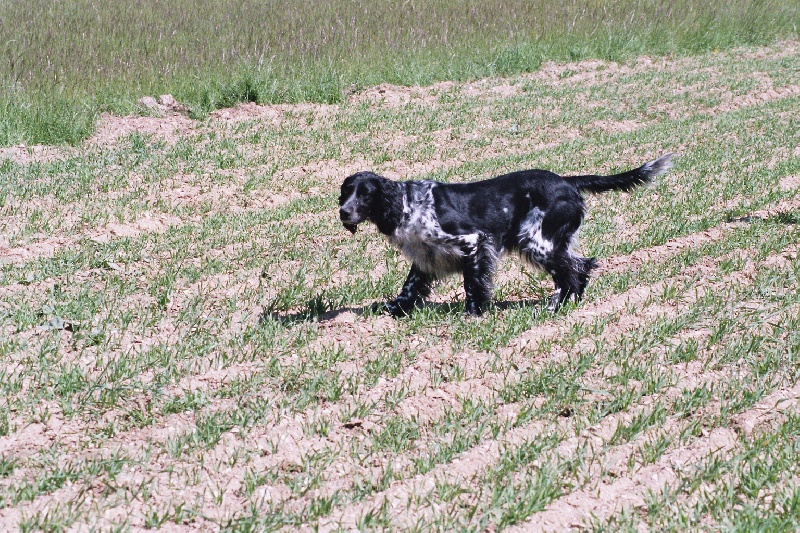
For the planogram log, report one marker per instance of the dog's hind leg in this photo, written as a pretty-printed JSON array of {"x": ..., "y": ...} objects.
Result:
[
  {"x": 545, "y": 240},
  {"x": 569, "y": 277},
  {"x": 479, "y": 263},
  {"x": 416, "y": 288},
  {"x": 585, "y": 267}
]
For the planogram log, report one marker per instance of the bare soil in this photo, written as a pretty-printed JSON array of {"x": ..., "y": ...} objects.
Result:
[{"x": 212, "y": 481}]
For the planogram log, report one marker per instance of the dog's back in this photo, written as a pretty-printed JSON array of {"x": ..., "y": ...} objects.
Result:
[{"x": 443, "y": 228}]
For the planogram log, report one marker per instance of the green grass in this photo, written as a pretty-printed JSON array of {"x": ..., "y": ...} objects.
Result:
[
  {"x": 209, "y": 370},
  {"x": 65, "y": 63}
]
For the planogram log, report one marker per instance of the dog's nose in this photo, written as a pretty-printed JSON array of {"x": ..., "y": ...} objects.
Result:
[{"x": 344, "y": 214}]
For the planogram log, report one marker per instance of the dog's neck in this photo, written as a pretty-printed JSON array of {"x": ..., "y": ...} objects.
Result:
[
  {"x": 416, "y": 208},
  {"x": 388, "y": 215}
]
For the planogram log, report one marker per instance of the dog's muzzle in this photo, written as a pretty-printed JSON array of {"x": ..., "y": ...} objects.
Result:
[{"x": 347, "y": 221}]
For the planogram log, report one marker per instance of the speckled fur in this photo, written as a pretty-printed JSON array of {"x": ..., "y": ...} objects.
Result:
[
  {"x": 420, "y": 238},
  {"x": 444, "y": 229}
]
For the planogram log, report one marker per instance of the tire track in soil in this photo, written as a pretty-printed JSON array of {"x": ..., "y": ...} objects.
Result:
[
  {"x": 629, "y": 491},
  {"x": 298, "y": 456},
  {"x": 473, "y": 363},
  {"x": 481, "y": 457},
  {"x": 424, "y": 378}
]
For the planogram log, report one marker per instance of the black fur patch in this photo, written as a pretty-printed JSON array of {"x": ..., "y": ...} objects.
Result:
[{"x": 464, "y": 228}]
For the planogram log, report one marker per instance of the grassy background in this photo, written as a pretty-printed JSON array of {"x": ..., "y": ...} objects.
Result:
[
  {"x": 63, "y": 62},
  {"x": 139, "y": 388}
]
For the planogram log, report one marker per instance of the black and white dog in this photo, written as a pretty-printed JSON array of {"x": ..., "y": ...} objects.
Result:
[{"x": 446, "y": 228}]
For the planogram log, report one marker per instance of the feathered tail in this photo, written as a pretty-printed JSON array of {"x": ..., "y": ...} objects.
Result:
[{"x": 625, "y": 181}]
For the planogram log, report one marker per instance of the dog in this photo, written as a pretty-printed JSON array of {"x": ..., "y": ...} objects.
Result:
[{"x": 449, "y": 228}]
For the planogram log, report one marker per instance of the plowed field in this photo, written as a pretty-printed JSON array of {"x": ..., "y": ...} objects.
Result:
[{"x": 186, "y": 343}]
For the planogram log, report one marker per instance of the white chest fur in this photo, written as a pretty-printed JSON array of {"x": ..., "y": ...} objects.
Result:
[{"x": 420, "y": 237}]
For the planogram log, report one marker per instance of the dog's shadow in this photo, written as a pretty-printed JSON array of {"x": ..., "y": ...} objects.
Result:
[
  {"x": 786, "y": 217},
  {"x": 375, "y": 309},
  {"x": 287, "y": 319}
]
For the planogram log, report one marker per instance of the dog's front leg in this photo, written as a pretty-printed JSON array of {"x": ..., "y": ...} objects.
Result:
[
  {"x": 479, "y": 264},
  {"x": 416, "y": 288},
  {"x": 478, "y": 291}
]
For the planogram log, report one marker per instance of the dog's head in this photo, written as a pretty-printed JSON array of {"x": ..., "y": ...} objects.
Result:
[{"x": 362, "y": 198}]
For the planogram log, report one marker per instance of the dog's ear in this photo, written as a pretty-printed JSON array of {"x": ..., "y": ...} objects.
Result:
[
  {"x": 388, "y": 206},
  {"x": 346, "y": 189}
]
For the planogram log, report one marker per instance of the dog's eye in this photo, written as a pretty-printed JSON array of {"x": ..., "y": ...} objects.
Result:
[{"x": 365, "y": 191}]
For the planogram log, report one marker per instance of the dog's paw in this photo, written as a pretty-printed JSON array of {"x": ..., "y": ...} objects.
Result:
[
  {"x": 474, "y": 308},
  {"x": 556, "y": 301},
  {"x": 379, "y": 307},
  {"x": 392, "y": 308}
]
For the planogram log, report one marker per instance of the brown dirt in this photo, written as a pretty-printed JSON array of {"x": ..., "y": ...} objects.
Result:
[
  {"x": 111, "y": 128},
  {"x": 282, "y": 443},
  {"x": 470, "y": 464},
  {"x": 24, "y": 154},
  {"x": 249, "y": 111},
  {"x": 790, "y": 183},
  {"x": 48, "y": 247},
  {"x": 629, "y": 491}
]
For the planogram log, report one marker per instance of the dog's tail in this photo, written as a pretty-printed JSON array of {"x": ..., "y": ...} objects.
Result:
[{"x": 625, "y": 181}]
